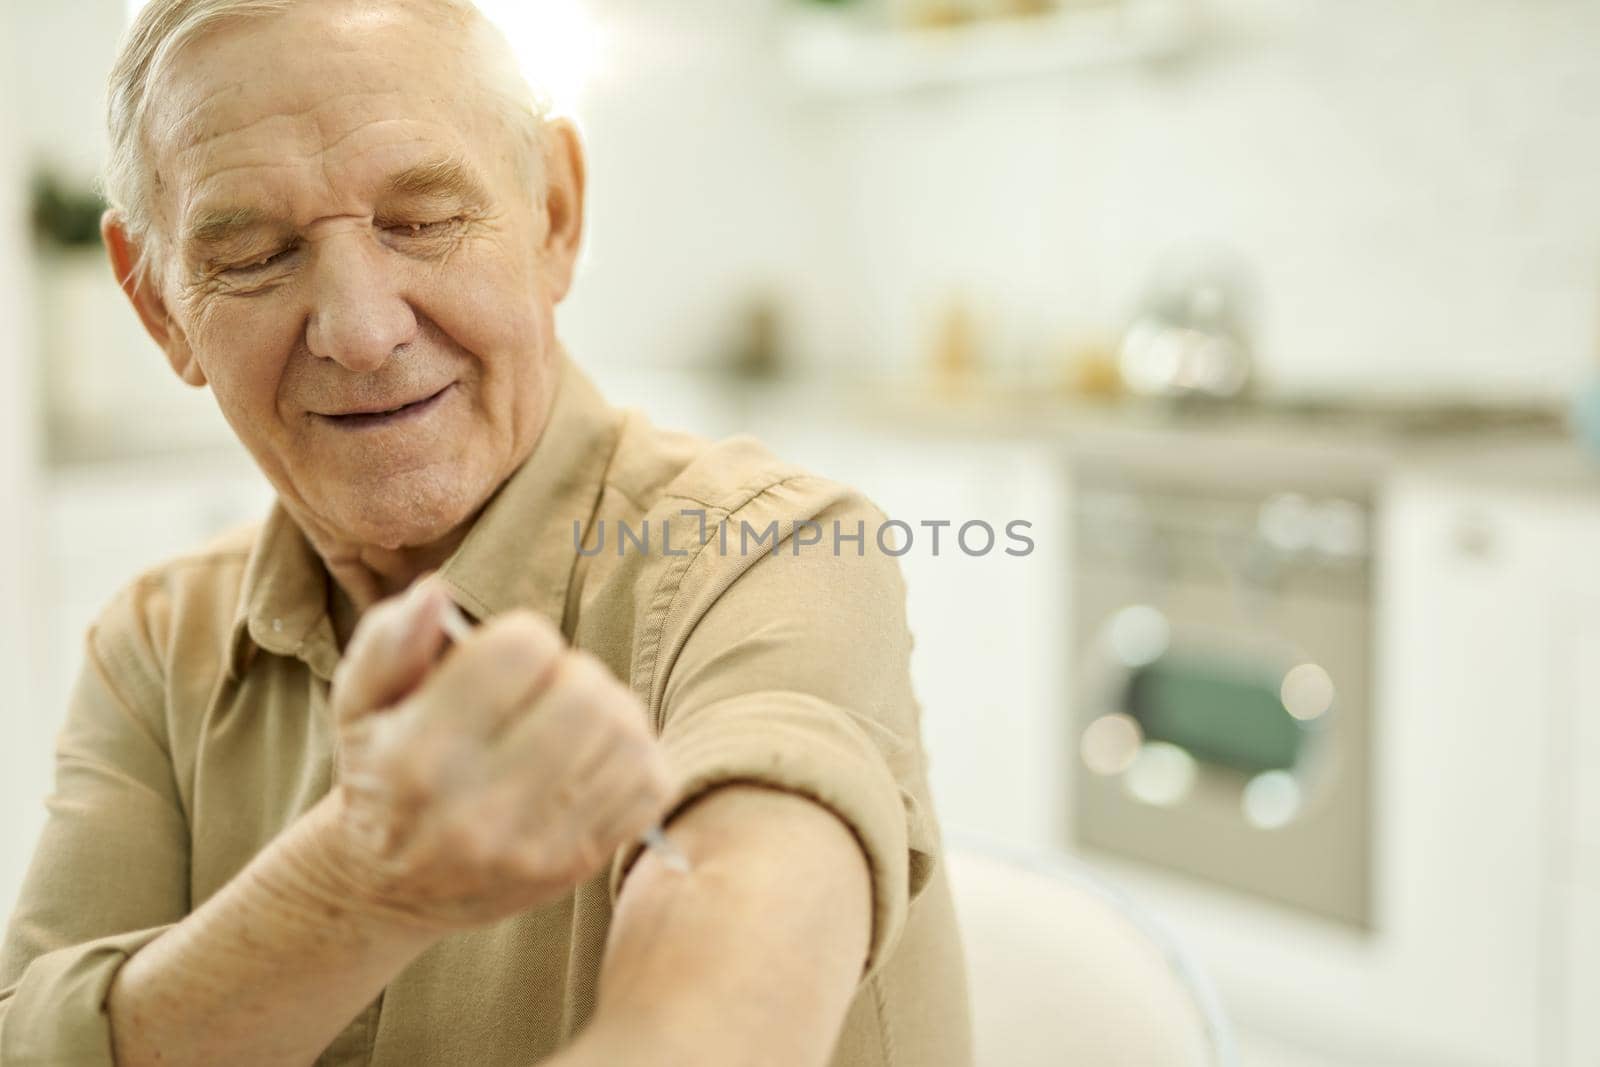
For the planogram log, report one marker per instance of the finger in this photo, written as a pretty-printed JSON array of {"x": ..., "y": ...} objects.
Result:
[
  {"x": 392, "y": 650},
  {"x": 630, "y": 795},
  {"x": 572, "y": 726},
  {"x": 492, "y": 677},
  {"x": 605, "y": 755},
  {"x": 584, "y": 822}
]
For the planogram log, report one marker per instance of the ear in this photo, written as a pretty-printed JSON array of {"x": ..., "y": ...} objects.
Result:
[
  {"x": 566, "y": 174},
  {"x": 147, "y": 300}
]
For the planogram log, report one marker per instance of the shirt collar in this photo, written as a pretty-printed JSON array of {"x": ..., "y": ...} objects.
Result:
[{"x": 519, "y": 553}]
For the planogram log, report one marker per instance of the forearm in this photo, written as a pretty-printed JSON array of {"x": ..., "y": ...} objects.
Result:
[
  {"x": 751, "y": 959},
  {"x": 267, "y": 971}
]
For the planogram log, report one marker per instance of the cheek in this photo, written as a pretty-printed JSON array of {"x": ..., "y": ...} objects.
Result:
[
  {"x": 243, "y": 347},
  {"x": 496, "y": 310}
]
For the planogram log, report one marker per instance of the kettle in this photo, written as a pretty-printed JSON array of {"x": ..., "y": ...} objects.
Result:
[{"x": 1189, "y": 338}]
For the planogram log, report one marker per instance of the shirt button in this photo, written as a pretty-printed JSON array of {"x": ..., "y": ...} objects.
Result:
[{"x": 277, "y": 626}]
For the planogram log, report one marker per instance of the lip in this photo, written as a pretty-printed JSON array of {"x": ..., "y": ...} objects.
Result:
[{"x": 376, "y": 416}]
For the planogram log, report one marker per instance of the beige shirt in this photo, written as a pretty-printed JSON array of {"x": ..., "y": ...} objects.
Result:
[{"x": 199, "y": 729}]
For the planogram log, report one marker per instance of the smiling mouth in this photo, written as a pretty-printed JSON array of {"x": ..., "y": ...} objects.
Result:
[{"x": 374, "y": 419}]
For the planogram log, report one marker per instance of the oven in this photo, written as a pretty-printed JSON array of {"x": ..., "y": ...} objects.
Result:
[{"x": 1222, "y": 697}]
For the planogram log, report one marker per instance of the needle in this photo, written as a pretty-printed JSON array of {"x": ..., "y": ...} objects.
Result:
[{"x": 458, "y": 629}]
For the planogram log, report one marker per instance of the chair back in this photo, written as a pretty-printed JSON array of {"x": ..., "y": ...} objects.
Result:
[{"x": 1065, "y": 972}]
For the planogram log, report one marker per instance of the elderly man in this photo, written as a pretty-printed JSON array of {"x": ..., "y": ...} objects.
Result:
[{"x": 293, "y": 821}]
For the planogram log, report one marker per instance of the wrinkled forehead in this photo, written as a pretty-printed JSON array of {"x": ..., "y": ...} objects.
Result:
[{"x": 311, "y": 104}]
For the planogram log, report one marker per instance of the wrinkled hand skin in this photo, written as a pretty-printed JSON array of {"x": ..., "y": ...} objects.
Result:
[
  {"x": 475, "y": 781},
  {"x": 488, "y": 781}
]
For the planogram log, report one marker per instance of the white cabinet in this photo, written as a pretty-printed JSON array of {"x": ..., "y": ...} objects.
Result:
[
  {"x": 1491, "y": 760},
  {"x": 1462, "y": 738},
  {"x": 1576, "y": 974},
  {"x": 1574, "y": 792}
]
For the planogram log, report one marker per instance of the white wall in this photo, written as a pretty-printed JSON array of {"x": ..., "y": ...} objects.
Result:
[
  {"x": 63, "y": 52},
  {"x": 1411, "y": 179},
  {"x": 705, "y": 188},
  {"x": 23, "y": 767}
]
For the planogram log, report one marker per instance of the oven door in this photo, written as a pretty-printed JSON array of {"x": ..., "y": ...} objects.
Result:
[{"x": 1221, "y": 706}]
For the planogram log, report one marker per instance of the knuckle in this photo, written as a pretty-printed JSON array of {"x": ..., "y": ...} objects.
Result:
[
  {"x": 609, "y": 735},
  {"x": 470, "y": 845},
  {"x": 521, "y": 635},
  {"x": 632, "y": 722},
  {"x": 411, "y": 772},
  {"x": 603, "y": 674},
  {"x": 633, "y": 737},
  {"x": 526, "y": 864},
  {"x": 617, "y": 709},
  {"x": 602, "y": 719},
  {"x": 486, "y": 850},
  {"x": 641, "y": 815},
  {"x": 546, "y": 862},
  {"x": 360, "y": 736},
  {"x": 587, "y": 666},
  {"x": 576, "y": 674}
]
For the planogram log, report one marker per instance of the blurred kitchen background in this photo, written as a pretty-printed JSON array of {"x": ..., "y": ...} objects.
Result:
[{"x": 1277, "y": 319}]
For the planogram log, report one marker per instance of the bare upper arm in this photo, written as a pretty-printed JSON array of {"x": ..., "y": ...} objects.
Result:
[{"x": 751, "y": 958}]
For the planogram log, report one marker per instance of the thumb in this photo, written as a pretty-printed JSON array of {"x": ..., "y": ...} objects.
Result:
[{"x": 392, "y": 650}]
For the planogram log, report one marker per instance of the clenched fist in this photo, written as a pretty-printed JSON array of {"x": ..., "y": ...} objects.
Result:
[{"x": 490, "y": 780}]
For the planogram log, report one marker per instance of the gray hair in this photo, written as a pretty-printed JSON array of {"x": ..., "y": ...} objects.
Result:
[{"x": 165, "y": 27}]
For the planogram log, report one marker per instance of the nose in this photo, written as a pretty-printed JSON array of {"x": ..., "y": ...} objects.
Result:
[{"x": 359, "y": 316}]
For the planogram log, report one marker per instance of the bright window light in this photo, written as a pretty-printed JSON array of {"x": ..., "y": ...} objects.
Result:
[{"x": 557, "y": 43}]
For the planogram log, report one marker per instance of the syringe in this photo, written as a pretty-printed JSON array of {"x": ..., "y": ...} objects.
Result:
[{"x": 458, "y": 629}]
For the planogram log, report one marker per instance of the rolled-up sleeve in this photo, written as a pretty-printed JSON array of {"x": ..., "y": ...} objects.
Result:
[
  {"x": 110, "y": 873},
  {"x": 790, "y": 669}
]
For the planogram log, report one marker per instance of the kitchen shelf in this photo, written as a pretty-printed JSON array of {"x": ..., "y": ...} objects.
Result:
[{"x": 852, "y": 54}]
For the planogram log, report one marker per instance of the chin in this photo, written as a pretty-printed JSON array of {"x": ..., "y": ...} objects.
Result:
[{"x": 408, "y": 511}]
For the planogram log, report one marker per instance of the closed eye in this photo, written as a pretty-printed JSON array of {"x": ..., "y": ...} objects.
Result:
[
  {"x": 422, "y": 229},
  {"x": 259, "y": 265}
]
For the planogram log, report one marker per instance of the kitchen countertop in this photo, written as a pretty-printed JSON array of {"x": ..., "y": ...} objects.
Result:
[{"x": 1319, "y": 443}]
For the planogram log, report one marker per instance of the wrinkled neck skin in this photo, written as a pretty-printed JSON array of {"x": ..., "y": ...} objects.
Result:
[{"x": 364, "y": 574}]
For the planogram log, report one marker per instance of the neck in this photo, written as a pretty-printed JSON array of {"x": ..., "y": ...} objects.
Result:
[{"x": 365, "y": 574}]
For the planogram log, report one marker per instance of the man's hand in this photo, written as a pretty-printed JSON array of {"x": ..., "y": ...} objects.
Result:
[
  {"x": 474, "y": 787},
  {"x": 489, "y": 782}
]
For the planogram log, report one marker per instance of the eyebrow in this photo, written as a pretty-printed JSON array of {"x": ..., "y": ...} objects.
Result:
[
  {"x": 447, "y": 178},
  {"x": 441, "y": 179},
  {"x": 219, "y": 225}
]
